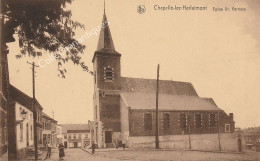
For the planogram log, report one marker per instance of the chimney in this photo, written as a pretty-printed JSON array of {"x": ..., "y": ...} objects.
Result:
[{"x": 231, "y": 115}]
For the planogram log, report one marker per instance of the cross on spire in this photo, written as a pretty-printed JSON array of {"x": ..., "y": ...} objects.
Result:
[{"x": 104, "y": 6}]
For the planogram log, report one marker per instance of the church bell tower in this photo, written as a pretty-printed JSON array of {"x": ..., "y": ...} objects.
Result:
[{"x": 107, "y": 85}]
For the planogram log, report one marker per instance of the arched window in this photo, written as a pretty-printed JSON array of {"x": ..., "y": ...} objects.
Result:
[
  {"x": 198, "y": 120},
  {"x": 183, "y": 121},
  {"x": 148, "y": 121},
  {"x": 166, "y": 121},
  {"x": 212, "y": 120}
]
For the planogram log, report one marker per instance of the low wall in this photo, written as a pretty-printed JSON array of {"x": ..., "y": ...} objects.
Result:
[{"x": 205, "y": 142}]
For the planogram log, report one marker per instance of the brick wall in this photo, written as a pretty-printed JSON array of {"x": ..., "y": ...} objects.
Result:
[
  {"x": 110, "y": 112},
  {"x": 3, "y": 128},
  {"x": 136, "y": 127},
  {"x": 12, "y": 132},
  {"x": 4, "y": 82},
  {"x": 103, "y": 61}
]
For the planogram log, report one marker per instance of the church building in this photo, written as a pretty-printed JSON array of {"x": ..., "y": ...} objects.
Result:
[{"x": 124, "y": 109}]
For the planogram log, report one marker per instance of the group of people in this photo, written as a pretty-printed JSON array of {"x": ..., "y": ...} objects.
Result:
[
  {"x": 120, "y": 143},
  {"x": 61, "y": 151},
  {"x": 93, "y": 146}
]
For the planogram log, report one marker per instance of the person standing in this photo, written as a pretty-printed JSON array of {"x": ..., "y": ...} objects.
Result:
[
  {"x": 123, "y": 143},
  {"x": 61, "y": 151},
  {"x": 48, "y": 155},
  {"x": 116, "y": 143},
  {"x": 93, "y": 147}
]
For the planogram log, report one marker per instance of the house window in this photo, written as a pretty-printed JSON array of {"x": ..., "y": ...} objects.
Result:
[
  {"x": 183, "y": 121},
  {"x": 21, "y": 132},
  {"x": 31, "y": 132},
  {"x": 69, "y": 136},
  {"x": 198, "y": 120},
  {"x": 227, "y": 127},
  {"x": 148, "y": 121},
  {"x": 74, "y": 136},
  {"x": 212, "y": 120},
  {"x": 65, "y": 136},
  {"x": 108, "y": 73},
  {"x": 96, "y": 111},
  {"x": 95, "y": 77},
  {"x": 79, "y": 136},
  {"x": 86, "y": 135},
  {"x": 166, "y": 121}
]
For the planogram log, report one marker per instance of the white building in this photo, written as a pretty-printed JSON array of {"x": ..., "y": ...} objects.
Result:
[
  {"x": 21, "y": 124},
  {"x": 59, "y": 134},
  {"x": 24, "y": 129},
  {"x": 76, "y": 135}
]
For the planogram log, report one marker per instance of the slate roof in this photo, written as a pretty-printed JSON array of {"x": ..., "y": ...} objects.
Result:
[
  {"x": 48, "y": 117},
  {"x": 22, "y": 98},
  {"x": 105, "y": 42},
  {"x": 74, "y": 127},
  {"x": 149, "y": 85},
  {"x": 141, "y": 100}
]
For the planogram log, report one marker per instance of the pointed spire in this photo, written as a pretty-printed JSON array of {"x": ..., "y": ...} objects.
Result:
[{"x": 105, "y": 42}]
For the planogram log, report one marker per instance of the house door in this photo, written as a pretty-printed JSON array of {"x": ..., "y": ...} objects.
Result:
[
  {"x": 44, "y": 140},
  {"x": 75, "y": 144},
  {"x": 27, "y": 135},
  {"x": 239, "y": 145},
  {"x": 65, "y": 144},
  {"x": 108, "y": 136}
]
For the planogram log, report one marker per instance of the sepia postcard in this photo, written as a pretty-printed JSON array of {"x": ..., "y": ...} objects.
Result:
[{"x": 145, "y": 80}]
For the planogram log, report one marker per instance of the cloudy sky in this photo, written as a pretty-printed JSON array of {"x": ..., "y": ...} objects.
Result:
[{"x": 218, "y": 52}]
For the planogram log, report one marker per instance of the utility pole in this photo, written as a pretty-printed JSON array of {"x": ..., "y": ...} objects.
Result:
[
  {"x": 34, "y": 112},
  {"x": 157, "y": 100}
]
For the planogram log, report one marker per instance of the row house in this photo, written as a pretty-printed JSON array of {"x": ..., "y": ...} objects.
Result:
[
  {"x": 4, "y": 83},
  {"x": 76, "y": 135},
  {"x": 59, "y": 134},
  {"x": 252, "y": 138},
  {"x": 21, "y": 123},
  {"x": 49, "y": 133}
]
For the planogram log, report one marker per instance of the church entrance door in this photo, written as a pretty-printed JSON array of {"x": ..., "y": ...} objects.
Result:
[{"x": 108, "y": 136}]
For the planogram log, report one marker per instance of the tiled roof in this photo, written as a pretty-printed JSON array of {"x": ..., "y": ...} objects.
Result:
[
  {"x": 149, "y": 85},
  {"x": 23, "y": 98},
  {"x": 141, "y": 100},
  {"x": 74, "y": 127}
]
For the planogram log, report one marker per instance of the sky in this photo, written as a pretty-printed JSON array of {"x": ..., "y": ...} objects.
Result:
[{"x": 218, "y": 52}]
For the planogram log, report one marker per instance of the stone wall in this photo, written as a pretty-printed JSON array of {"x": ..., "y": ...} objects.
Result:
[{"x": 205, "y": 142}]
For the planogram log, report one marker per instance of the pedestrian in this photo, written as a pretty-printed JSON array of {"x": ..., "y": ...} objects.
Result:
[
  {"x": 123, "y": 143},
  {"x": 93, "y": 147},
  {"x": 116, "y": 143},
  {"x": 61, "y": 151},
  {"x": 48, "y": 155}
]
